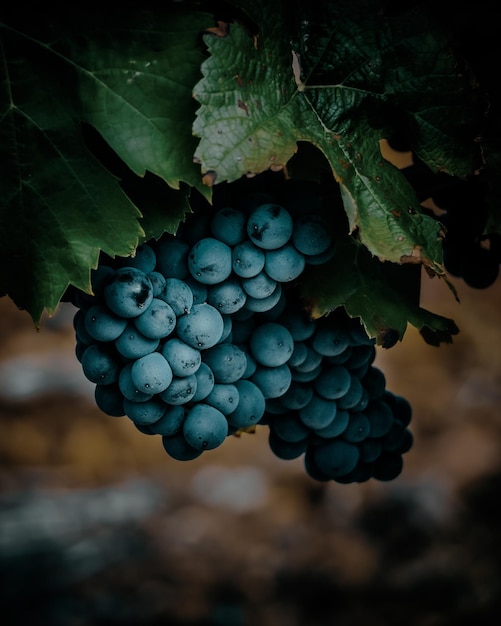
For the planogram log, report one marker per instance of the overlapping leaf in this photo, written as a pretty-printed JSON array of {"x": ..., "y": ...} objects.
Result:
[
  {"x": 384, "y": 295},
  {"x": 258, "y": 101},
  {"x": 130, "y": 77}
]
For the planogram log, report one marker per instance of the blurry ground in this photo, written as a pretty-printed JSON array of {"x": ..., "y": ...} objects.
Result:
[{"x": 99, "y": 527}]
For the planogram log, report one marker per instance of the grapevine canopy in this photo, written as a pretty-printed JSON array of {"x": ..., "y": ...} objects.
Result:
[{"x": 114, "y": 125}]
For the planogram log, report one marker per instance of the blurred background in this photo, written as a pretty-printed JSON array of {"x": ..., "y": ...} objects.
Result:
[{"x": 99, "y": 527}]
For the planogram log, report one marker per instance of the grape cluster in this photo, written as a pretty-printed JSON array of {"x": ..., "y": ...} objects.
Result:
[
  {"x": 200, "y": 336},
  {"x": 337, "y": 410}
]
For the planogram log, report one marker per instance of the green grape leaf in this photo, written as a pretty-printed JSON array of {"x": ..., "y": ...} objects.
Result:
[
  {"x": 59, "y": 207},
  {"x": 163, "y": 208},
  {"x": 127, "y": 75},
  {"x": 384, "y": 295},
  {"x": 259, "y": 98},
  {"x": 135, "y": 84}
]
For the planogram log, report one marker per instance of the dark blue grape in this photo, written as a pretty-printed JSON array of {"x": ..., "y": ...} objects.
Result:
[
  {"x": 178, "y": 448},
  {"x": 227, "y": 362},
  {"x": 286, "y": 450},
  {"x": 269, "y": 226},
  {"x": 205, "y": 427},
  {"x": 251, "y": 405},
  {"x": 129, "y": 292},
  {"x": 100, "y": 365}
]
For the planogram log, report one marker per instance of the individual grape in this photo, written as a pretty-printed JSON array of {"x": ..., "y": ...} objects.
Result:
[
  {"x": 380, "y": 418},
  {"x": 333, "y": 382},
  {"x": 226, "y": 361},
  {"x": 110, "y": 399},
  {"x": 398, "y": 439},
  {"x": 297, "y": 396},
  {"x": 251, "y": 405},
  {"x": 271, "y": 344},
  {"x": 401, "y": 407},
  {"x": 178, "y": 295},
  {"x": 151, "y": 373},
  {"x": 360, "y": 473},
  {"x": 81, "y": 333},
  {"x": 330, "y": 340},
  {"x": 199, "y": 290},
  {"x": 205, "y": 382},
  {"x": 299, "y": 354},
  {"x": 261, "y": 305},
  {"x": 353, "y": 396},
  {"x": 362, "y": 404},
  {"x": 132, "y": 344},
  {"x": 318, "y": 412},
  {"x": 360, "y": 356},
  {"x": 172, "y": 257},
  {"x": 286, "y": 450},
  {"x": 129, "y": 292},
  {"x": 171, "y": 421},
  {"x": 388, "y": 466},
  {"x": 269, "y": 226},
  {"x": 224, "y": 397},
  {"x": 274, "y": 313},
  {"x": 227, "y": 297},
  {"x": 305, "y": 377},
  {"x": 158, "y": 321},
  {"x": 157, "y": 282},
  {"x": 127, "y": 387},
  {"x": 251, "y": 366},
  {"x": 337, "y": 427},
  {"x": 273, "y": 381},
  {"x": 202, "y": 328},
  {"x": 247, "y": 260},
  {"x": 339, "y": 359},
  {"x": 205, "y": 427},
  {"x": 335, "y": 458},
  {"x": 181, "y": 390},
  {"x": 374, "y": 381},
  {"x": 358, "y": 428},
  {"x": 178, "y": 448},
  {"x": 227, "y": 328},
  {"x": 100, "y": 365},
  {"x": 289, "y": 427},
  {"x": 311, "y": 363},
  {"x": 311, "y": 467},
  {"x": 323, "y": 258},
  {"x": 259, "y": 286},
  {"x": 310, "y": 234},
  {"x": 80, "y": 348},
  {"x": 210, "y": 261},
  {"x": 229, "y": 226},
  {"x": 183, "y": 359},
  {"x": 284, "y": 264},
  {"x": 370, "y": 450},
  {"x": 102, "y": 324},
  {"x": 144, "y": 413},
  {"x": 145, "y": 259}
]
